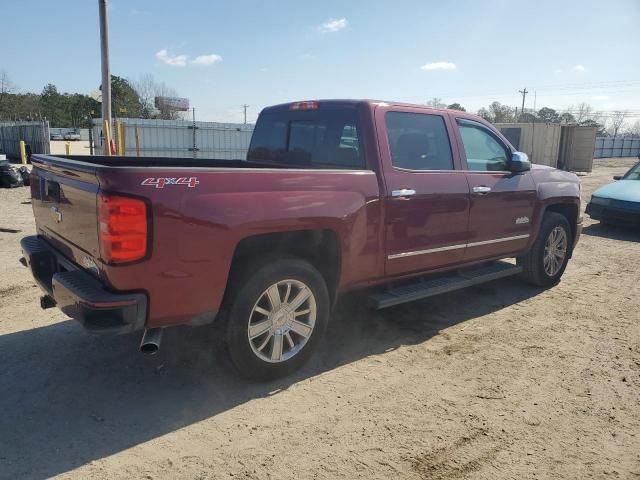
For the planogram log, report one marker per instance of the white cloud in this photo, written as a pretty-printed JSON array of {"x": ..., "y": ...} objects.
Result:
[
  {"x": 307, "y": 56},
  {"x": 580, "y": 68},
  {"x": 173, "y": 61},
  {"x": 182, "y": 60},
  {"x": 557, "y": 70},
  {"x": 439, "y": 66},
  {"x": 206, "y": 59},
  {"x": 600, "y": 97},
  {"x": 144, "y": 13},
  {"x": 333, "y": 25}
]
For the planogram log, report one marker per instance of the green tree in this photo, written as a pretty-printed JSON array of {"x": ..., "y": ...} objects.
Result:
[
  {"x": 527, "y": 117},
  {"x": 500, "y": 113},
  {"x": 484, "y": 113},
  {"x": 566, "y": 117},
  {"x": 24, "y": 106},
  {"x": 592, "y": 123},
  {"x": 80, "y": 109},
  {"x": 456, "y": 106},
  {"x": 51, "y": 105},
  {"x": 61, "y": 109},
  {"x": 548, "y": 115},
  {"x": 125, "y": 101}
]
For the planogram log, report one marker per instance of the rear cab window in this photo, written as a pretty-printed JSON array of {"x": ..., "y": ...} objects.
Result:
[{"x": 324, "y": 137}]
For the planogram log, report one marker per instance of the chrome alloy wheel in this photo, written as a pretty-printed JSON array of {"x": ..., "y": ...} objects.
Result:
[
  {"x": 282, "y": 320},
  {"x": 555, "y": 251}
]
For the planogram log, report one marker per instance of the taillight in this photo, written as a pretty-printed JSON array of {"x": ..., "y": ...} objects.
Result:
[
  {"x": 123, "y": 228},
  {"x": 303, "y": 106}
]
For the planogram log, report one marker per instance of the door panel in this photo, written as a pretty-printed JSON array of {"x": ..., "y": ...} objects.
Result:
[
  {"x": 427, "y": 230},
  {"x": 502, "y": 202},
  {"x": 504, "y": 212},
  {"x": 427, "y": 196}
]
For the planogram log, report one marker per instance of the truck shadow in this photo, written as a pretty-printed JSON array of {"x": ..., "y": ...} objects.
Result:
[
  {"x": 614, "y": 232},
  {"x": 68, "y": 398}
]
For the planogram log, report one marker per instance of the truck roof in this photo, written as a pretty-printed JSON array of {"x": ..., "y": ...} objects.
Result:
[{"x": 346, "y": 101}]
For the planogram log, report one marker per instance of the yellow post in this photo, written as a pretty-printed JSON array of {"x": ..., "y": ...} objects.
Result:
[
  {"x": 137, "y": 143},
  {"x": 116, "y": 136},
  {"x": 67, "y": 148},
  {"x": 122, "y": 143},
  {"x": 106, "y": 133},
  {"x": 23, "y": 152}
]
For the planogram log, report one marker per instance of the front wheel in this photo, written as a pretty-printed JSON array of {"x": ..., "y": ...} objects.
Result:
[
  {"x": 545, "y": 263},
  {"x": 276, "y": 318}
]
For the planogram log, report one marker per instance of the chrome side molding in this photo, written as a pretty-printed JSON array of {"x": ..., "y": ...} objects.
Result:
[{"x": 454, "y": 247}]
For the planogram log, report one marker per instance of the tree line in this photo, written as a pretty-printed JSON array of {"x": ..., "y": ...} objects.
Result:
[
  {"x": 135, "y": 99},
  {"x": 583, "y": 115},
  {"x": 132, "y": 99}
]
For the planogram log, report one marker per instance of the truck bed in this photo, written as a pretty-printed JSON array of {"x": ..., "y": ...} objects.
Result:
[{"x": 199, "y": 210}]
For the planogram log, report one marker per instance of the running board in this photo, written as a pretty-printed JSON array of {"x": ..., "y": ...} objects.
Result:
[{"x": 424, "y": 288}]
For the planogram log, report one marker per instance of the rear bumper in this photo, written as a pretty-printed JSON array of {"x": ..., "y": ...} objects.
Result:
[
  {"x": 613, "y": 215},
  {"x": 79, "y": 294}
]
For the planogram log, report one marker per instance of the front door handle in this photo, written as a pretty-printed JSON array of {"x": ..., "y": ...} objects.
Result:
[
  {"x": 481, "y": 190},
  {"x": 403, "y": 192}
]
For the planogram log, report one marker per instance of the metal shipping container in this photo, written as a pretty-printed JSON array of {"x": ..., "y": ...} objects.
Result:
[
  {"x": 540, "y": 141},
  {"x": 576, "y": 148}
]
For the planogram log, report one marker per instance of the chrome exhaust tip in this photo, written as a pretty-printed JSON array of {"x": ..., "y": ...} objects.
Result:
[{"x": 151, "y": 339}]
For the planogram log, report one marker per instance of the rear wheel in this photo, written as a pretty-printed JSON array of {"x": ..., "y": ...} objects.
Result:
[
  {"x": 275, "y": 319},
  {"x": 545, "y": 263}
]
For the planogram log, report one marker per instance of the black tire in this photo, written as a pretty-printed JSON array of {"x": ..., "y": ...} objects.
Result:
[
  {"x": 533, "y": 262},
  {"x": 248, "y": 286}
]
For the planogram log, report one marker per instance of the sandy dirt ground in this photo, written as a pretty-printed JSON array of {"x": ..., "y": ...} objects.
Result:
[
  {"x": 77, "y": 147},
  {"x": 502, "y": 381}
]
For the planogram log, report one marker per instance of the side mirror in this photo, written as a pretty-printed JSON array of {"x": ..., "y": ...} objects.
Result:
[
  {"x": 617, "y": 177},
  {"x": 519, "y": 162}
]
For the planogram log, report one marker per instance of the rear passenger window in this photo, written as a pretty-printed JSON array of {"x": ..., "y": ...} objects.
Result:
[
  {"x": 418, "y": 141},
  {"x": 314, "y": 138}
]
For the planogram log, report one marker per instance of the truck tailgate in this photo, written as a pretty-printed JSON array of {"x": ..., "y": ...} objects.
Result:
[{"x": 63, "y": 195}]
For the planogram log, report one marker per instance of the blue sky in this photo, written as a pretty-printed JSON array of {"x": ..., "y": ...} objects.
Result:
[{"x": 221, "y": 54}]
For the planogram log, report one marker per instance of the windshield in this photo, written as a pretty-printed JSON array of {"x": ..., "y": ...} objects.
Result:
[{"x": 634, "y": 173}]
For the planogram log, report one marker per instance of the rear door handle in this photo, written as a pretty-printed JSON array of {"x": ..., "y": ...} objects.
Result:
[
  {"x": 403, "y": 192},
  {"x": 481, "y": 190}
]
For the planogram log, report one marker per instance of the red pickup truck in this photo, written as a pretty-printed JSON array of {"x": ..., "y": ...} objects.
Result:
[{"x": 403, "y": 200}]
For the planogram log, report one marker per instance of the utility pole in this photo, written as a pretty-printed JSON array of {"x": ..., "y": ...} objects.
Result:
[
  {"x": 245, "y": 106},
  {"x": 524, "y": 94},
  {"x": 106, "y": 69}
]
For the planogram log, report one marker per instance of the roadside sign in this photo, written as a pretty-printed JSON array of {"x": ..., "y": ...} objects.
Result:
[{"x": 172, "y": 103}]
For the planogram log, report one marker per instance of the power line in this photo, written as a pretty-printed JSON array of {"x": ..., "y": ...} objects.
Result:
[
  {"x": 568, "y": 93},
  {"x": 596, "y": 87}
]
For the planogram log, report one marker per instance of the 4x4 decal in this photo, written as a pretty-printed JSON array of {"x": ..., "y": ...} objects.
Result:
[{"x": 160, "y": 182}]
